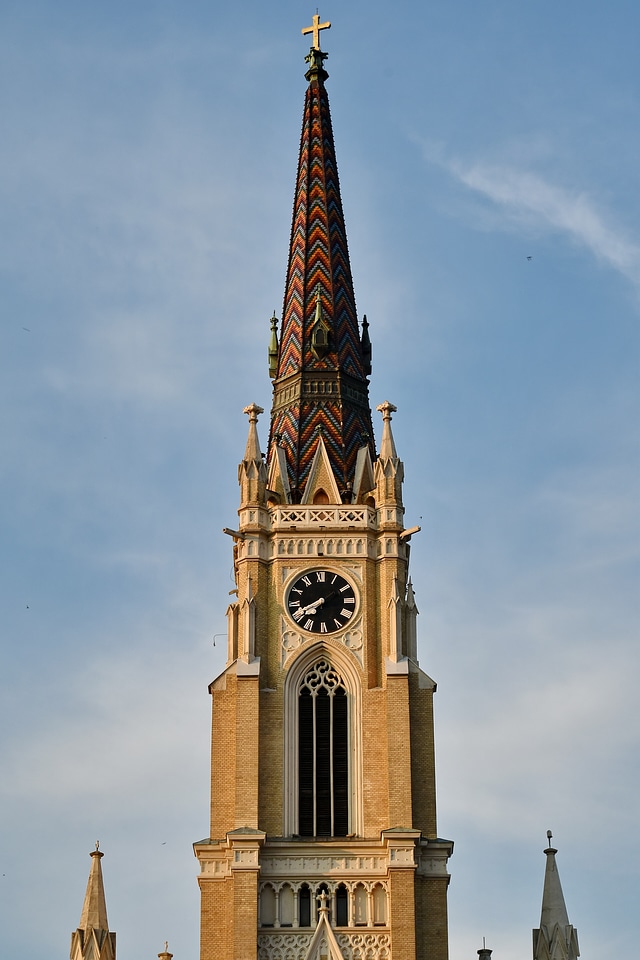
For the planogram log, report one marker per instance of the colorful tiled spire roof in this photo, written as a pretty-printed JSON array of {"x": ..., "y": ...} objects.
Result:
[{"x": 320, "y": 379}]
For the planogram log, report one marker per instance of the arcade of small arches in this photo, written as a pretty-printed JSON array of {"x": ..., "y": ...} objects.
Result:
[
  {"x": 319, "y": 548},
  {"x": 350, "y": 903},
  {"x": 331, "y": 546}
]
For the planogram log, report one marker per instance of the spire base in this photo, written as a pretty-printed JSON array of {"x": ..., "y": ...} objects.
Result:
[{"x": 315, "y": 58}]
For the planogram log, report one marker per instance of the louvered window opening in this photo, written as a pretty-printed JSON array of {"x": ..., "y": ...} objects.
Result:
[{"x": 323, "y": 768}]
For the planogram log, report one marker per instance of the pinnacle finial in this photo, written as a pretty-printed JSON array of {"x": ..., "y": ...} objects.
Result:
[
  {"x": 365, "y": 344},
  {"x": 252, "y": 451},
  {"x": 387, "y": 447},
  {"x": 253, "y": 411},
  {"x": 273, "y": 347}
]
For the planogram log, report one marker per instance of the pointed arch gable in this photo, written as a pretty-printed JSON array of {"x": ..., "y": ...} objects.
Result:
[
  {"x": 321, "y": 476},
  {"x": 364, "y": 481},
  {"x": 323, "y": 940},
  {"x": 346, "y": 665},
  {"x": 278, "y": 479}
]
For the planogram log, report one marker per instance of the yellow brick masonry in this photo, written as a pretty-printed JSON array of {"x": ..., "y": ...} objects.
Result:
[
  {"x": 431, "y": 918},
  {"x": 247, "y": 753},
  {"x": 223, "y": 757},
  {"x": 245, "y": 915},
  {"x": 398, "y": 762},
  {"x": 423, "y": 764},
  {"x": 399, "y": 759},
  {"x": 402, "y": 915}
]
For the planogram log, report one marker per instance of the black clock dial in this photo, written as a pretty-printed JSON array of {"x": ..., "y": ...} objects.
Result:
[{"x": 321, "y": 601}]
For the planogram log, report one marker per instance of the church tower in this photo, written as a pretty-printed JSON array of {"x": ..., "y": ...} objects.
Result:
[{"x": 323, "y": 840}]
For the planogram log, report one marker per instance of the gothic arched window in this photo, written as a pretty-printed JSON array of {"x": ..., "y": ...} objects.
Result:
[
  {"x": 304, "y": 905},
  {"x": 342, "y": 906},
  {"x": 323, "y": 753}
]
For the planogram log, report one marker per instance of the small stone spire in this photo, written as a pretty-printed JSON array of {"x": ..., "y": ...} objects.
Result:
[
  {"x": 165, "y": 955},
  {"x": 252, "y": 451},
  {"x": 321, "y": 334},
  {"x": 387, "y": 447},
  {"x": 273, "y": 347},
  {"x": 365, "y": 344},
  {"x": 252, "y": 473},
  {"x": 556, "y": 938},
  {"x": 411, "y": 630},
  {"x": 92, "y": 940},
  {"x": 389, "y": 469}
]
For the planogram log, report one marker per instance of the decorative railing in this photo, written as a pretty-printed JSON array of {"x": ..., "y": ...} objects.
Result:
[{"x": 327, "y": 516}]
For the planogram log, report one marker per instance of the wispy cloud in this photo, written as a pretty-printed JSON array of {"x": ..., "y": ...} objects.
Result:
[{"x": 527, "y": 197}]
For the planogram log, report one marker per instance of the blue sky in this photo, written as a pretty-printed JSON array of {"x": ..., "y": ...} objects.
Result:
[{"x": 146, "y": 183}]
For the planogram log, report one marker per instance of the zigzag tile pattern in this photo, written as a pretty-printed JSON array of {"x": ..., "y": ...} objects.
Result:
[
  {"x": 342, "y": 430},
  {"x": 319, "y": 260}
]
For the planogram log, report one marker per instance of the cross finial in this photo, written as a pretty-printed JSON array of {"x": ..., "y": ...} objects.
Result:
[{"x": 315, "y": 30}]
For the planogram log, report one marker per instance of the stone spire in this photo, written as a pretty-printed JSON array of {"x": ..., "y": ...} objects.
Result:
[
  {"x": 252, "y": 473},
  {"x": 320, "y": 386},
  {"x": 556, "y": 938},
  {"x": 92, "y": 940},
  {"x": 389, "y": 469}
]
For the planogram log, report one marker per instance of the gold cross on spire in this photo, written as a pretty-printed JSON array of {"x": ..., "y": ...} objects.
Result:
[{"x": 315, "y": 30}]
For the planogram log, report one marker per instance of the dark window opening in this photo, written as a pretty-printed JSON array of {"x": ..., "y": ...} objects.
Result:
[
  {"x": 323, "y": 755},
  {"x": 304, "y": 906},
  {"x": 342, "y": 906}
]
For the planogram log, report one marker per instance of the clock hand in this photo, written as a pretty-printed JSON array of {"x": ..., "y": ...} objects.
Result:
[
  {"x": 313, "y": 607},
  {"x": 310, "y": 608}
]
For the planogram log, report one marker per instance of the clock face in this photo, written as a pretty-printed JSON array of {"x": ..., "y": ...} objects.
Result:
[{"x": 321, "y": 601}]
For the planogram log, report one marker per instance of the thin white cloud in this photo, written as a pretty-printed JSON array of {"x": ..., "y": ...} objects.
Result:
[{"x": 529, "y": 198}]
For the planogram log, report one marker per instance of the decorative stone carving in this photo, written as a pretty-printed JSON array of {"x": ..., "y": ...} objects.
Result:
[
  {"x": 321, "y": 867},
  {"x": 294, "y": 946},
  {"x": 351, "y": 638},
  {"x": 283, "y": 946},
  {"x": 365, "y": 946}
]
